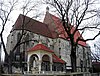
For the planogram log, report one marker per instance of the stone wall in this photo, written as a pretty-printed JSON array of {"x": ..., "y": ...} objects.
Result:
[{"x": 60, "y": 46}]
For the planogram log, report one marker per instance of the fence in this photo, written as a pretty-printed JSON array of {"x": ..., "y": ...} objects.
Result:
[
  {"x": 48, "y": 74},
  {"x": 95, "y": 74}
]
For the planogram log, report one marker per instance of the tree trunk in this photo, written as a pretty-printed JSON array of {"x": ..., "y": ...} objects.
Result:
[
  {"x": 73, "y": 59},
  {"x": 10, "y": 63},
  {"x": 0, "y": 59}
]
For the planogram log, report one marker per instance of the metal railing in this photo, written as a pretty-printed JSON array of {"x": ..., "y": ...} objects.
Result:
[
  {"x": 53, "y": 74},
  {"x": 95, "y": 74}
]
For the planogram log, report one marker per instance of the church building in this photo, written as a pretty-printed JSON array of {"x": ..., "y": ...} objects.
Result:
[{"x": 44, "y": 47}]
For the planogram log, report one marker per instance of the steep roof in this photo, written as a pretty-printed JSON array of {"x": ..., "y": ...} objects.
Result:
[
  {"x": 56, "y": 23},
  {"x": 32, "y": 25},
  {"x": 51, "y": 27},
  {"x": 40, "y": 47},
  {"x": 57, "y": 59}
]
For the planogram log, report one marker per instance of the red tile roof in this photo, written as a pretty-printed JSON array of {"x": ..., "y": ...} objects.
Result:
[
  {"x": 57, "y": 59},
  {"x": 40, "y": 47},
  {"x": 43, "y": 47},
  {"x": 57, "y": 24},
  {"x": 51, "y": 27},
  {"x": 33, "y": 26}
]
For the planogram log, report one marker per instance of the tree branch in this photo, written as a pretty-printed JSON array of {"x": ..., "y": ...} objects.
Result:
[{"x": 90, "y": 38}]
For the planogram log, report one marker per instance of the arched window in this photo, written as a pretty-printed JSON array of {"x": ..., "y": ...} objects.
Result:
[
  {"x": 45, "y": 63},
  {"x": 46, "y": 58},
  {"x": 33, "y": 61}
]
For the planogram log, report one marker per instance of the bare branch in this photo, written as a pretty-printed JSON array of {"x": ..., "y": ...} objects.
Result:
[
  {"x": 90, "y": 17},
  {"x": 90, "y": 38},
  {"x": 91, "y": 27},
  {"x": 76, "y": 12}
]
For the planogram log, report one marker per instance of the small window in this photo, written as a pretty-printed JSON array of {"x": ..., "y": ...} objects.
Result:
[
  {"x": 62, "y": 68},
  {"x": 17, "y": 57},
  {"x": 59, "y": 41},
  {"x": 51, "y": 47},
  {"x": 54, "y": 68}
]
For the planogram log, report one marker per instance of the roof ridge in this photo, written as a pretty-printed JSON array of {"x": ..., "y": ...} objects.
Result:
[
  {"x": 33, "y": 24},
  {"x": 32, "y": 19},
  {"x": 40, "y": 47}
]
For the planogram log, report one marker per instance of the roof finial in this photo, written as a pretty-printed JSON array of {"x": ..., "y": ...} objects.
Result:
[
  {"x": 40, "y": 41},
  {"x": 47, "y": 9}
]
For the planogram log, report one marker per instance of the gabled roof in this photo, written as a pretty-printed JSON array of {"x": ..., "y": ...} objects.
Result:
[
  {"x": 56, "y": 22},
  {"x": 51, "y": 27},
  {"x": 44, "y": 48},
  {"x": 32, "y": 25},
  {"x": 40, "y": 47},
  {"x": 57, "y": 59}
]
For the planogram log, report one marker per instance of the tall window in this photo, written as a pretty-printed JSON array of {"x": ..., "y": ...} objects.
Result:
[
  {"x": 27, "y": 38},
  {"x": 17, "y": 52},
  {"x": 59, "y": 52},
  {"x": 18, "y": 38}
]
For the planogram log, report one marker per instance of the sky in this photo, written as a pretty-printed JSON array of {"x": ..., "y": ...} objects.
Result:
[
  {"x": 41, "y": 10},
  {"x": 14, "y": 15}
]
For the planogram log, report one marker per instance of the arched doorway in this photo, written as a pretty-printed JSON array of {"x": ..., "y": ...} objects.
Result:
[
  {"x": 33, "y": 62},
  {"x": 45, "y": 66}
]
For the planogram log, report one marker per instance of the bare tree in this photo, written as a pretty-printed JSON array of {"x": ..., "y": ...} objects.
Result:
[
  {"x": 0, "y": 58},
  {"x": 6, "y": 9},
  {"x": 96, "y": 50},
  {"x": 80, "y": 15}
]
